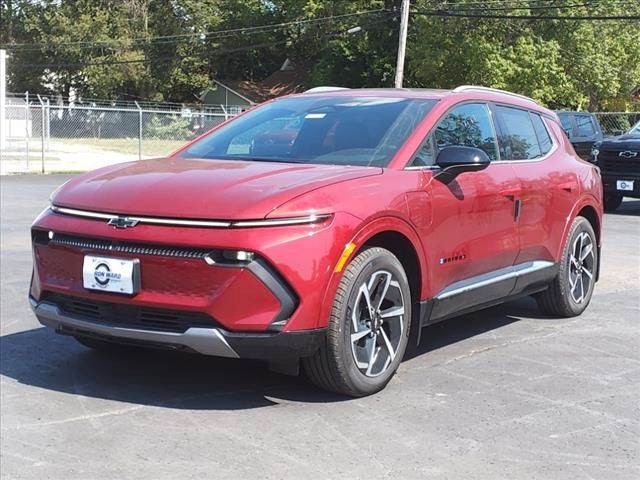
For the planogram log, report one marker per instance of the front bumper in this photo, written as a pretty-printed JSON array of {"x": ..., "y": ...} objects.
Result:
[
  {"x": 609, "y": 183},
  {"x": 272, "y": 347},
  {"x": 282, "y": 290}
]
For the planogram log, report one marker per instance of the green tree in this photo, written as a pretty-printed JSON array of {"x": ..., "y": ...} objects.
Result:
[
  {"x": 172, "y": 49},
  {"x": 562, "y": 63}
]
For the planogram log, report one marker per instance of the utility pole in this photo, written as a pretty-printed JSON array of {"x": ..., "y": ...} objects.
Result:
[
  {"x": 3, "y": 98},
  {"x": 402, "y": 42}
]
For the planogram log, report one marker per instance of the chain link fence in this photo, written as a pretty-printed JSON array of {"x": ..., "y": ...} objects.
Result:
[
  {"x": 42, "y": 136},
  {"x": 45, "y": 137},
  {"x": 617, "y": 123}
]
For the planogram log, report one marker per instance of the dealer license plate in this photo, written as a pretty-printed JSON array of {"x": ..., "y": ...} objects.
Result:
[
  {"x": 116, "y": 275},
  {"x": 625, "y": 185}
]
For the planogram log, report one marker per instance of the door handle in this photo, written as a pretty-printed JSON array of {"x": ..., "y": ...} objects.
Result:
[
  {"x": 517, "y": 207},
  {"x": 511, "y": 193},
  {"x": 568, "y": 186}
]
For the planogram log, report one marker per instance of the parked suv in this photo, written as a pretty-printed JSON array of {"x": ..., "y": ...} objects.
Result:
[
  {"x": 583, "y": 130},
  {"x": 325, "y": 229},
  {"x": 619, "y": 162}
]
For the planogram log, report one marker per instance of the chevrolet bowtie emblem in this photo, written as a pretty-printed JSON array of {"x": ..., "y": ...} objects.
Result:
[
  {"x": 123, "y": 222},
  {"x": 628, "y": 154}
]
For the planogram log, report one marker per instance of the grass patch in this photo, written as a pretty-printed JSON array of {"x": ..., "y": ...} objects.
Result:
[
  {"x": 33, "y": 159},
  {"x": 129, "y": 146}
]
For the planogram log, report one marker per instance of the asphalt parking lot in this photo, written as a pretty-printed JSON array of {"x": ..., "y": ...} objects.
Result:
[{"x": 503, "y": 393}]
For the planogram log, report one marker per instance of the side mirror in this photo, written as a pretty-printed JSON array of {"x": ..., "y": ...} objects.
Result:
[{"x": 456, "y": 160}]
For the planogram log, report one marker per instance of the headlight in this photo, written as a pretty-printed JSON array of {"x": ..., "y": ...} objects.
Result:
[{"x": 279, "y": 222}]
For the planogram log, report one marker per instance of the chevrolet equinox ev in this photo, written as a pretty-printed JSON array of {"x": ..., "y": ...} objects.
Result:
[{"x": 323, "y": 230}]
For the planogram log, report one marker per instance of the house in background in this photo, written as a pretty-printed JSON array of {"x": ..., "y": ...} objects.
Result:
[{"x": 241, "y": 94}]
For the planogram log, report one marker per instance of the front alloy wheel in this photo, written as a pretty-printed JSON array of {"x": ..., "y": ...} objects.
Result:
[
  {"x": 369, "y": 327},
  {"x": 377, "y": 325}
]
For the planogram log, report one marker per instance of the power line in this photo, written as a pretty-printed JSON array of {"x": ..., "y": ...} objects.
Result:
[
  {"x": 443, "y": 9},
  {"x": 493, "y": 16},
  {"x": 171, "y": 58},
  {"x": 464, "y": 7},
  {"x": 550, "y": 4},
  {"x": 201, "y": 35},
  {"x": 453, "y": 10},
  {"x": 157, "y": 59},
  {"x": 485, "y": 2}
]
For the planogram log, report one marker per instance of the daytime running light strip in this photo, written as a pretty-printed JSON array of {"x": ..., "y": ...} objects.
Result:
[{"x": 271, "y": 222}]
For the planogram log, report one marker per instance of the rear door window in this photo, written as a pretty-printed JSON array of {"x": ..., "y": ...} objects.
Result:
[
  {"x": 517, "y": 138},
  {"x": 565, "y": 121},
  {"x": 544, "y": 139},
  {"x": 584, "y": 125}
]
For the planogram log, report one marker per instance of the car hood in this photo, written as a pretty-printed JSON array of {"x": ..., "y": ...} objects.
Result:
[
  {"x": 199, "y": 188},
  {"x": 627, "y": 141}
]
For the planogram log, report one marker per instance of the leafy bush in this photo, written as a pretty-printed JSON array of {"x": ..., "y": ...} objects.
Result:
[{"x": 171, "y": 128}]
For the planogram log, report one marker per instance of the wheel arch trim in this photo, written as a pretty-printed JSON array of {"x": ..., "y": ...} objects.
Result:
[
  {"x": 364, "y": 234},
  {"x": 585, "y": 202}
]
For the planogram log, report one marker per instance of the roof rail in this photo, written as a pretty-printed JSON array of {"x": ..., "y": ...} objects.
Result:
[
  {"x": 466, "y": 88},
  {"x": 324, "y": 89}
]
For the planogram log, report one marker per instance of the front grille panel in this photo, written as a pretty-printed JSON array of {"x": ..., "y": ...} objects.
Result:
[
  {"x": 131, "y": 316},
  {"x": 611, "y": 162},
  {"x": 126, "y": 247},
  {"x": 188, "y": 281}
]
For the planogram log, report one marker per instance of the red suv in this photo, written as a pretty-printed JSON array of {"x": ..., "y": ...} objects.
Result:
[{"x": 320, "y": 229}]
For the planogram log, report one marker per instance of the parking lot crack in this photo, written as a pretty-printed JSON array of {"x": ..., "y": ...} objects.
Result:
[
  {"x": 489, "y": 348},
  {"x": 80, "y": 418}
]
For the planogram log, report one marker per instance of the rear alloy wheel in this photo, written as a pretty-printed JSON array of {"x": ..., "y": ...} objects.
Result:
[
  {"x": 612, "y": 201},
  {"x": 368, "y": 329},
  {"x": 581, "y": 267},
  {"x": 570, "y": 292}
]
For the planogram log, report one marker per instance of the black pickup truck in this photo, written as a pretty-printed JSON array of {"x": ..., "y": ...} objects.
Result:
[
  {"x": 583, "y": 131},
  {"x": 619, "y": 162}
]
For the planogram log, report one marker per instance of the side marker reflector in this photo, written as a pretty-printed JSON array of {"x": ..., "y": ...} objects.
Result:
[{"x": 348, "y": 250}]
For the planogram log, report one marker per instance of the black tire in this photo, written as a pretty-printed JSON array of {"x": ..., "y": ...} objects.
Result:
[
  {"x": 334, "y": 366},
  {"x": 559, "y": 299},
  {"x": 612, "y": 201},
  {"x": 103, "y": 345}
]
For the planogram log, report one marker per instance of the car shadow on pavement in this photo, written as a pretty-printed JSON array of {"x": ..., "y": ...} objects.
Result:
[
  {"x": 460, "y": 328},
  {"x": 43, "y": 359},
  {"x": 627, "y": 208}
]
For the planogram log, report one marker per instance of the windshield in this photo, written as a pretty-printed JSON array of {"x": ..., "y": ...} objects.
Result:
[
  {"x": 635, "y": 129},
  {"x": 326, "y": 130}
]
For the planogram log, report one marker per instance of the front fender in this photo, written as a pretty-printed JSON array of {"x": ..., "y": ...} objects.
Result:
[{"x": 362, "y": 235}]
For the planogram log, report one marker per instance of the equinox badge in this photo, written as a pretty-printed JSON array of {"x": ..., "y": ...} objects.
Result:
[{"x": 123, "y": 222}]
